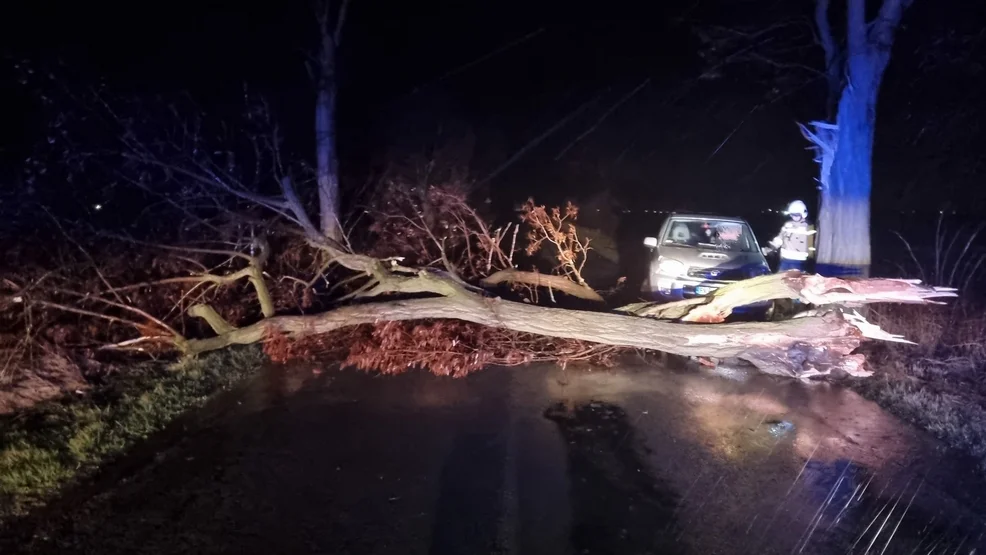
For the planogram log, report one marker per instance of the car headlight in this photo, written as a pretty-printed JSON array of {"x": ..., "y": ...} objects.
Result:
[{"x": 670, "y": 267}]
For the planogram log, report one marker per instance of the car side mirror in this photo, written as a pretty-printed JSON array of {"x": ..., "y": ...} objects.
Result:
[{"x": 650, "y": 242}]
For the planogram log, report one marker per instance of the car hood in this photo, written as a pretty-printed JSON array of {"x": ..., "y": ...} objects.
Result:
[{"x": 712, "y": 258}]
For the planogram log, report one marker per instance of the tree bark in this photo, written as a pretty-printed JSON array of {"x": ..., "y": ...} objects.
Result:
[
  {"x": 328, "y": 178},
  {"x": 803, "y": 346},
  {"x": 327, "y": 171}
]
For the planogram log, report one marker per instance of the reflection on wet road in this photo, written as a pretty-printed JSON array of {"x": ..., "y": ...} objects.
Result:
[
  {"x": 617, "y": 506},
  {"x": 530, "y": 460}
]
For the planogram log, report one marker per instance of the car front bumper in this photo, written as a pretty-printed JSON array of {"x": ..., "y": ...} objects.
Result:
[{"x": 676, "y": 288}]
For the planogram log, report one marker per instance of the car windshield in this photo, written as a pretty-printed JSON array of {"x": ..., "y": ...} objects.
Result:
[{"x": 709, "y": 233}]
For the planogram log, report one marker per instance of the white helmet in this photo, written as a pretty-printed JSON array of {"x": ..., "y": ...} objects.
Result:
[{"x": 797, "y": 207}]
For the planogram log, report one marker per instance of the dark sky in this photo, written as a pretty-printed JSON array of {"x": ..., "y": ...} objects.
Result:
[{"x": 678, "y": 142}]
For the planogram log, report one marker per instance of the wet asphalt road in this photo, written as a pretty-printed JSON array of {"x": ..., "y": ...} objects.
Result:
[{"x": 525, "y": 460}]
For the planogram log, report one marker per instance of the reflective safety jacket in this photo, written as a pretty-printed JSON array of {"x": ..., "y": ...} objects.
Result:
[{"x": 795, "y": 241}]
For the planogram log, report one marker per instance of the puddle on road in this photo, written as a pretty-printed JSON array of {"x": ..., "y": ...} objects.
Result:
[
  {"x": 535, "y": 460},
  {"x": 773, "y": 466}
]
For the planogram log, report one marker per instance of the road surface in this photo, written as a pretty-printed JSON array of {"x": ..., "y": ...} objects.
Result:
[{"x": 532, "y": 460}]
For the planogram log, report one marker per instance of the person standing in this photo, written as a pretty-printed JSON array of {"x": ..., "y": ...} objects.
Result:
[{"x": 794, "y": 240}]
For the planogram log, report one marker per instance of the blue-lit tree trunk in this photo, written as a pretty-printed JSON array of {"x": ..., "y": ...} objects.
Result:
[
  {"x": 846, "y": 148},
  {"x": 327, "y": 163}
]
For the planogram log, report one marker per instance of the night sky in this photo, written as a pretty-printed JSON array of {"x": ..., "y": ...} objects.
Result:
[{"x": 420, "y": 75}]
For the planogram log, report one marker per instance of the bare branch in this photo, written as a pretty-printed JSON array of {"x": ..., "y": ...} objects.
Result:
[
  {"x": 537, "y": 279},
  {"x": 824, "y": 28},
  {"x": 120, "y": 305},
  {"x": 84, "y": 312},
  {"x": 211, "y": 317},
  {"x": 293, "y": 203},
  {"x": 887, "y": 21},
  {"x": 277, "y": 205},
  {"x": 340, "y": 20},
  {"x": 84, "y": 252}
]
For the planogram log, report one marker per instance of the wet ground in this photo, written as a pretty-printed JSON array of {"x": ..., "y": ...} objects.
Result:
[{"x": 532, "y": 460}]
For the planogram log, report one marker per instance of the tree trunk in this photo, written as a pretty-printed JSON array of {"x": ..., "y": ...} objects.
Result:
[
  {"x": 794, "y": 348},
  {"x": 801, "y": 347},
  {"x": 844, "y": 216},
  {"x": 325, "y": 140}
]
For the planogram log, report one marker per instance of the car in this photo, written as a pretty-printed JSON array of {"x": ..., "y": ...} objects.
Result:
[{"x": 695, "y": 254}]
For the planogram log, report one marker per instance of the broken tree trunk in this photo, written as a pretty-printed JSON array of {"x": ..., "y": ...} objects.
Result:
[
  {"x": 807, "y": 288},
  {"x": 801, "y": 347}
]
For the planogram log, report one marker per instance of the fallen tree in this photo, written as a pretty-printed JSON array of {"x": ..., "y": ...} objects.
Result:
[
  {"x": 380, "y": 290},
  {"x": 811, "y": 345},
  {"x": 228, "y": 275}
]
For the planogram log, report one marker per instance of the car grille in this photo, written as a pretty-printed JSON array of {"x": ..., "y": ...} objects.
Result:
[{"x": 717, "y": 274}]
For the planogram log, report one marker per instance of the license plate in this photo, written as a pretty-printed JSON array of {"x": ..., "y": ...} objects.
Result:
[{"x": 704, "y": 290}]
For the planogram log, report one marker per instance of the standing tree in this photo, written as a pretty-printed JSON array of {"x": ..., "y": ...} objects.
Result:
[
  {"x": 772, "y": 44},
  {"x": 845, "y": 148},
  {"x": 327, "y": 165}
]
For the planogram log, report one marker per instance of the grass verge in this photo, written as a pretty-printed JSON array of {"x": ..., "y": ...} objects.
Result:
[
  {"x": 46, "y": 447},
  {"x": 940, "y": 383}
]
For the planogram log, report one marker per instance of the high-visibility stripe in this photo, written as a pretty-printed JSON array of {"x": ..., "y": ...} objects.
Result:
[{"x": 793, "y": 255}]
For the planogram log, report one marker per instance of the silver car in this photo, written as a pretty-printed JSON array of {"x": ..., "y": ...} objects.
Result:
[{"x": 695, "y": 254}]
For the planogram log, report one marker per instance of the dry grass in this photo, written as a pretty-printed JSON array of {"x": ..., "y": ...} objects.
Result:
[
  {"x": 940, "y": 383},
  {"x": 956, "y": 258}
]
